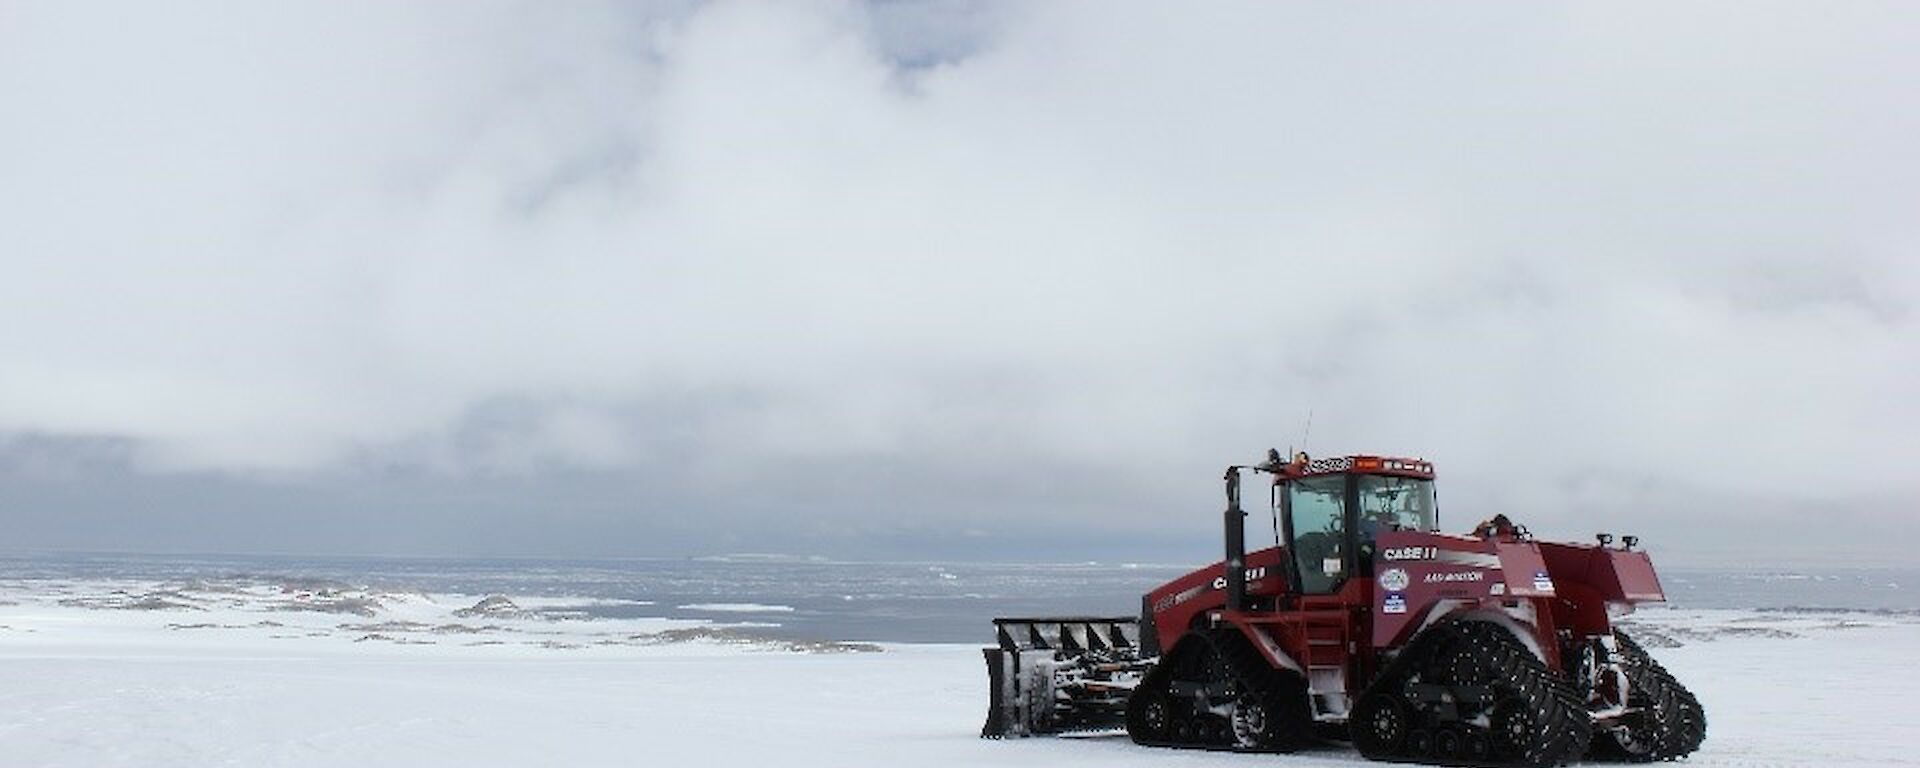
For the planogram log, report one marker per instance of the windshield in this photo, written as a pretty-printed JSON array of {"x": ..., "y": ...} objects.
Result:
[{"x": 1387, "y": 503}]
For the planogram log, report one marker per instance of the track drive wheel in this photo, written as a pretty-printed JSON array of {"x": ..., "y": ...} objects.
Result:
[
  {"x": 1271, "y": 713},
  {"x": 1150, "y": 718},
  {"x": 1636, "y": 739},
  {"x": 1272, "y": 719},
  {"x": 1213, "y": 690},
  {"x": 1514, "y": 725},
  {"x": 1379, "y": 725},
  {"x": 1174, "y": 705},
  {"x": 1670, "y": 723}
]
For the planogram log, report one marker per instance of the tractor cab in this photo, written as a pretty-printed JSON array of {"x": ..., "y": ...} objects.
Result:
[{"x": 1331, "y": 511}]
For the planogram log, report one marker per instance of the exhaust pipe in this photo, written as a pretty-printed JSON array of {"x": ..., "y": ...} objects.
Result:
[{"x": 1236, "y": 560}]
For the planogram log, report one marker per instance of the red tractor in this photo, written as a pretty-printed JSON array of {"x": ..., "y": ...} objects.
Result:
[{"x": 1365, "y": 623}]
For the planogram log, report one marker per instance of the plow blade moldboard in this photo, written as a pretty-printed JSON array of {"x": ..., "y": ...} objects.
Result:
[{"x": 1052, "y": 675}]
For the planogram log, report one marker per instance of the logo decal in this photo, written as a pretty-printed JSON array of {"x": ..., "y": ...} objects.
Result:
[
  {"x": 1499, "y": 588},
  {"x": 1441, "y": 578},
  {"x": 1407, "y": 553},
  {"x": 1394, "y": 580},
  {"x": 1253, "y": 575}
]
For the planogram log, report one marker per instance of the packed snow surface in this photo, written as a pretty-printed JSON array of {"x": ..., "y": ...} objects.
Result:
[{"x": 262, "y": 672}]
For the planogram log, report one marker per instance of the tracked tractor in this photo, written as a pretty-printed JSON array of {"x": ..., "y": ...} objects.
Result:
[{"x": 1364, "y": 623}]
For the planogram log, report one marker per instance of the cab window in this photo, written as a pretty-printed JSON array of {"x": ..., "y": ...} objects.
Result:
[
  {"x": 1317, "y": 518},
  {"x": 1395, "y": 503}
]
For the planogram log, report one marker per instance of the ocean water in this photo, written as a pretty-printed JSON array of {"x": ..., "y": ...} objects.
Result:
[{"x": 889, "y": 602}]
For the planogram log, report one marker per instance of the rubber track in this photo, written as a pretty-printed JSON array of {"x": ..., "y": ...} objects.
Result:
[
  {"x": 1219, "y": 655},
  {"x": 1681, "y": 723},
  {"x": 1282, "y": 692},
  {"x": 1559, "y": 731}
]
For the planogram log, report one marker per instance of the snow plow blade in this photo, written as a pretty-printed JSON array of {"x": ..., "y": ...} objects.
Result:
[{"x": 1055, "y": 675}]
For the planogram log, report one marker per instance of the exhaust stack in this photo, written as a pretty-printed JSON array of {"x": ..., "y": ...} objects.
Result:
[{"x": 1236, "y": 527}]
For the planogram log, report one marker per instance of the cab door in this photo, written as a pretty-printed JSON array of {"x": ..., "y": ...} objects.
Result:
[{"x": 1317, "y": 529}]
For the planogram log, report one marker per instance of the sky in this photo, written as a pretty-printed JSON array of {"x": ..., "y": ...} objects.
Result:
[{"x": 951, "y": 280}]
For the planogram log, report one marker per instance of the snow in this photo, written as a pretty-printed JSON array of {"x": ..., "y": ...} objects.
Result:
[
  {"x": 573, "y": 603},
  {"x": 254, "y": 674},
  {"x": 737, "y": 608}
]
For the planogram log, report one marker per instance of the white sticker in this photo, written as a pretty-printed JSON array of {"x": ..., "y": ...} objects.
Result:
[
  {"x": 1395, "y": 603},
  {"x": 1394, "y": 580},
  {"x": 1330, "y": 566},
  {"x": 1499, "y": 588},
  {"x": 1542, "y": 582},
  {"x": 1443, "y": 578}
]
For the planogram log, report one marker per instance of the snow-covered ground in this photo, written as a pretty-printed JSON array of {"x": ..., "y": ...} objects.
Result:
[{"x": 261, "y": 672}]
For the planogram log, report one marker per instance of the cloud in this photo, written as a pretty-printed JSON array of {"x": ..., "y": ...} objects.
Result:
[{"x": 1567, "y": 252}]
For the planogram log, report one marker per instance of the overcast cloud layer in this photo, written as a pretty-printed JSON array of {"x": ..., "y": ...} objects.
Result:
[{"x": 915, "y": 279}]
